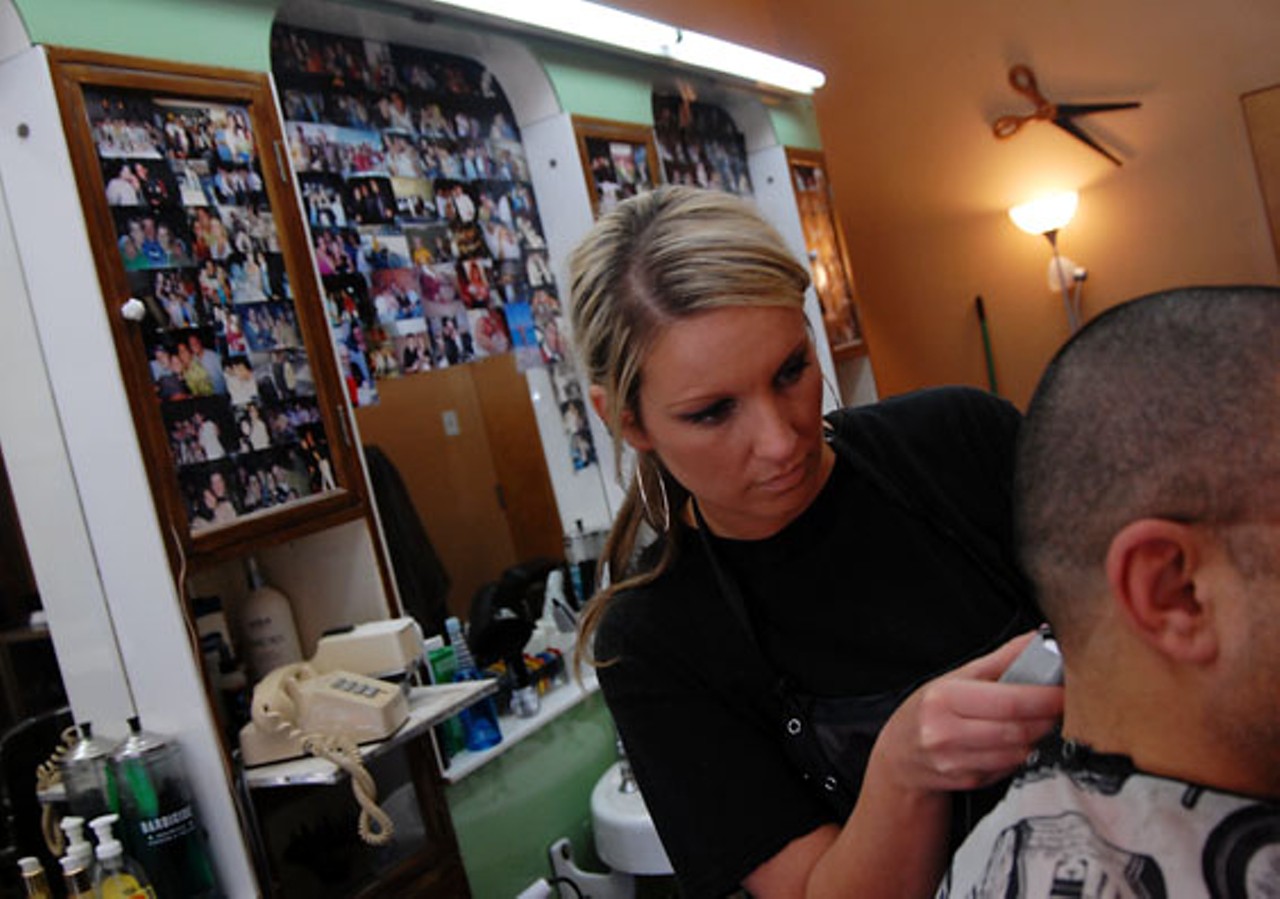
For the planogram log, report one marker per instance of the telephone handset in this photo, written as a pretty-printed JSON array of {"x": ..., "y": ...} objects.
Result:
[{"x": 297, "y": 711}]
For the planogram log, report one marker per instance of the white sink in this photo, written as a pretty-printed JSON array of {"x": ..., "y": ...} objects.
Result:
[{"x": 625, "y": 836}]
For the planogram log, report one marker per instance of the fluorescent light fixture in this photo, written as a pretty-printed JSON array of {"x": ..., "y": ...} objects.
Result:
[
  {"x": 1045, "y": 214},
  {"x": 605, "y": 25},
  {"x": 707, "y": 52}
]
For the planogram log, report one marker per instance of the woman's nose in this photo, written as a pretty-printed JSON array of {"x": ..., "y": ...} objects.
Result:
[{"x": 775, "y": 436}]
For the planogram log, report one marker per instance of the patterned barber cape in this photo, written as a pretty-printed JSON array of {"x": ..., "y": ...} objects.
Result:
[{"x": 1080, "y": 824}]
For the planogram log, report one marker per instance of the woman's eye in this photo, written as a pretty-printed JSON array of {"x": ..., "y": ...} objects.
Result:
[
  {"x": 712, "y": 414},
  {"x": 791, "y": 370}
]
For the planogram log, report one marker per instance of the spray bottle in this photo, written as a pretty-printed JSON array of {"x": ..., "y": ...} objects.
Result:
[
  {"x": 161, "y": 826},
  {"x": 117, "y": 877},
  {"x": 34, "y": 884},
  {"x": 480, "y": 721}
]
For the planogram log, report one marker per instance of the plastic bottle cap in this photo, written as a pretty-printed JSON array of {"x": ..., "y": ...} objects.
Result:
[
  {"x": 73, "y": 827},
  {"x": 108, "y": 846},
  {"x": 30, "y": 864},
  {"x": 82, "y": 852}
]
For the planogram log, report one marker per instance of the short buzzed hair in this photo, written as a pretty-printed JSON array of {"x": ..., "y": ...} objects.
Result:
[{"x": 1167, "y": 406}]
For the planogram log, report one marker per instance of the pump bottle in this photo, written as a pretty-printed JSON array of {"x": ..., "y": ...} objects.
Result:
[
  {"x": 117, "y": 877},
  {"x": 79, "y": 851},
  {"x": 34, "y": 884},
  {"x": 77, "y": 883},
  {"x": 268, "y": 634}
]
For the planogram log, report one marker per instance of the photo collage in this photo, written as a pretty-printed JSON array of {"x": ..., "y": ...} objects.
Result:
[
  {"x": 417, "y": 195},
  {"x": 198, "y": 241},
  {"x": 416, "y": 191},
  {"x": 619, "y": 170},
  {"x": 699, "y": 144}
]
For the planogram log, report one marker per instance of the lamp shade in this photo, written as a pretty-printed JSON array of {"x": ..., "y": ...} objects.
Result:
[{"x": 1047, "y": 213}]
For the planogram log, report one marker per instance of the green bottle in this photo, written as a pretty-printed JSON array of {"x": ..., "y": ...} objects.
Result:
[{"x": 443, "y": 666}]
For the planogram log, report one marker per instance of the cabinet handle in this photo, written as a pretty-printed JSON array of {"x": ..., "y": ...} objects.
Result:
[
  {"x": 280, "y": 166},
  {"x": 342, "y": 423}
]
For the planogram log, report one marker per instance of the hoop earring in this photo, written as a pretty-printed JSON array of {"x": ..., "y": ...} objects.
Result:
[
  {"x": 835, "y": 394},
  {"x": 644, "y": 498}
]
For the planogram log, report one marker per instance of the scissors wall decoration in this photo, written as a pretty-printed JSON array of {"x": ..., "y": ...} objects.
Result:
[{"x": 1061, "y": 114}]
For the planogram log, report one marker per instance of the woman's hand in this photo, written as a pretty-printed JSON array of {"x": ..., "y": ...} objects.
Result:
[{"x": 963, "y": 730}]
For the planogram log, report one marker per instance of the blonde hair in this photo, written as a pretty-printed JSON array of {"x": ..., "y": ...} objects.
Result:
[{"x": 656, "y": 259}]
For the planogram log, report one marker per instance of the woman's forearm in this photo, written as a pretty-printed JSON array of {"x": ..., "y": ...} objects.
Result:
[{"x": 894, "y": 845}]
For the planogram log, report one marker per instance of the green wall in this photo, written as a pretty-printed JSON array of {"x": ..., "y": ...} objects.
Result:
[
  {"x": 509, "y": 811},
  {"x": 236, "y": 34},
  {"x": 231, "y": 33},
  {"x": 796, "y": 124},
  {"x": 588, "y": 83}
]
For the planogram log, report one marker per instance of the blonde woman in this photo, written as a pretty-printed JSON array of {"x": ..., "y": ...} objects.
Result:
[{"x": 806, "y": 618}]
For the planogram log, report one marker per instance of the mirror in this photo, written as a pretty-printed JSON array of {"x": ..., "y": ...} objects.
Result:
[{"x": 439, "y": 291}]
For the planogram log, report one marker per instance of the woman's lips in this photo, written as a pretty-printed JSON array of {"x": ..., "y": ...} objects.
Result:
[{"x": 786, "y": 480}]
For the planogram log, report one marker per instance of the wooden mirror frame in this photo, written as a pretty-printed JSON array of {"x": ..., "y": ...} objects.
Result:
[
  {"x": 821, "y": 227},
  {"x": 73, "y": 72},
  {"x": 586, "y": 128}
]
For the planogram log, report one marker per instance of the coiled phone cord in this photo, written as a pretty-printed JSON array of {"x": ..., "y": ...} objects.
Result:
[
  {"x": 49, "y": 775},
  {"x": 374, "y": 825}
]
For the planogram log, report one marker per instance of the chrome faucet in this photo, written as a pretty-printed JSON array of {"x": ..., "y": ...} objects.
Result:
[{"x": 628, "y": 784}]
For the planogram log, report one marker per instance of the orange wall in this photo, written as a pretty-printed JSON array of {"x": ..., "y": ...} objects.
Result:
[{"x": 923, "y": 186}]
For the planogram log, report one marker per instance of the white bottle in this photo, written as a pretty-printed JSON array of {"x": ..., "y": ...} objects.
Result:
[
  {"x": 268, "y": 635},
  {"x": 79, "y": 850}
]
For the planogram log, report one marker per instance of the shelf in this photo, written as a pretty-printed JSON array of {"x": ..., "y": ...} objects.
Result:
[
  {"x": 24, "y": 634},
  {"x": 428, "y": 706},
  {"x": 554, "y": 704}
]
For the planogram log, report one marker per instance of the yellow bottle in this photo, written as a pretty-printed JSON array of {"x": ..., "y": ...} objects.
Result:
[
  {"x": 76, "y": 880},
  {"x": 34, "y": 884},
  {"x": 117, "y": 877}
]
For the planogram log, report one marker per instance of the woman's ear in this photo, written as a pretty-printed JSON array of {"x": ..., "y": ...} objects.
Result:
[
  {"x": 632, "y": 431},
  {"x": 1156, "y": 573},
  {"x": 599, "y": 401}
]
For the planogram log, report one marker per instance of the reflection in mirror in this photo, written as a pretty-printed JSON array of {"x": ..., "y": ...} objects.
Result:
[
  {"x": 33, "y": 703},
  {"x": 442, "y": 303}
]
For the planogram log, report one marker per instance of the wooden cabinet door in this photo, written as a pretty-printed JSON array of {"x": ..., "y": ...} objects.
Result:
[{"x": 234, "y": 390}]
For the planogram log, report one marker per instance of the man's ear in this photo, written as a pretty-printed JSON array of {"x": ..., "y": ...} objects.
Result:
[
  {"x": 632, "y": 431},
  {"x": 1154, "y": 569}
]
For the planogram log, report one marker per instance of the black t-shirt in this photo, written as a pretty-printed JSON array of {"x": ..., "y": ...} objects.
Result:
[
  {"x": 900, "y": 569},
  {"x": 883, "y": 596}
]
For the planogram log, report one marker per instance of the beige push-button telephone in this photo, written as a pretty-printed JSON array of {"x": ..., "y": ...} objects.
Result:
[{"x": 297, "y": 711}]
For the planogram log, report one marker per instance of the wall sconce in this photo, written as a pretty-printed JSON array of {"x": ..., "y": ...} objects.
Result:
[{"x": 1047, "y": 215}]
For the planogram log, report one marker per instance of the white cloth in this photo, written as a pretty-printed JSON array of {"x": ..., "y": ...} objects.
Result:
[
  {"x": 210, "y": 441},
  {"x": 1078, "y": 824}
]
